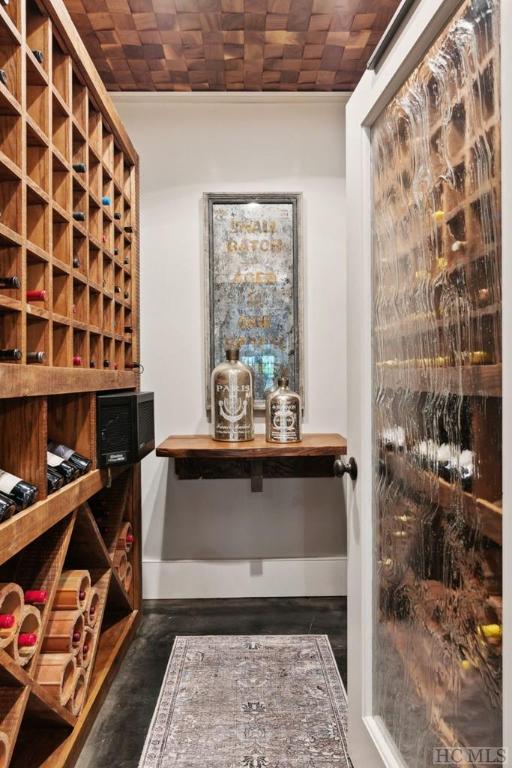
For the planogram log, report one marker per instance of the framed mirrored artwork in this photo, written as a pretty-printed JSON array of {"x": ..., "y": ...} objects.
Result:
[{"x": 253, "y": 268}]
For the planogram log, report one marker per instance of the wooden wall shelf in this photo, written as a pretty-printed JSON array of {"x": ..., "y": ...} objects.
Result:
[
  {"x": 204, "y": 447},
  {"x": 199, "y": 456},
  {"x": 69, "y": 222}
]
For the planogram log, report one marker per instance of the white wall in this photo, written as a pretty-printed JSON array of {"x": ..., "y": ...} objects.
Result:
[{"x": 214, "y": 538}]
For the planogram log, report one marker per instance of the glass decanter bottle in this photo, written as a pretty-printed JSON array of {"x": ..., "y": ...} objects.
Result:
[
  {"x": 283, "y": 414},
  {"x": 232, "y": 400}
]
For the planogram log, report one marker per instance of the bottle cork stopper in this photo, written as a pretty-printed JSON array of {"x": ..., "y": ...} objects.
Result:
[{"x": 232, "y": 354}]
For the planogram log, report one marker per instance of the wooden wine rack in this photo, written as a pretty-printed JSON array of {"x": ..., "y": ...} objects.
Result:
[{"x": 54, "y": 113}]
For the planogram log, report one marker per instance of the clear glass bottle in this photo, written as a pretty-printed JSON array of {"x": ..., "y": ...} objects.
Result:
[
  {"x": 283, "y": 414},
  {"x": 232, "y": 400}
]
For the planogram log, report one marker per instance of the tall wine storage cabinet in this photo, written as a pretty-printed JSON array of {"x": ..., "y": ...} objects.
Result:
[{"x": 70, "y": 581}]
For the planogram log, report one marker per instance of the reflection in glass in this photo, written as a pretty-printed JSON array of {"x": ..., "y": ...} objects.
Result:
[{"x": 437, "y": 390}]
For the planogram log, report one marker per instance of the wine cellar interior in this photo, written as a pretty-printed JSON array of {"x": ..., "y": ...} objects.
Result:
[
  {"x": 70, "y": 580},
  {"x": 254, "y": 383}
]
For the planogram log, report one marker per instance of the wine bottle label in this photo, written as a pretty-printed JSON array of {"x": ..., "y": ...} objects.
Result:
[
  {"x": 8, "y": 481},
  {"x": 284, "y": 419},
  {"x": 52, "y": 460},
  {"x": 62, "y": 450}
]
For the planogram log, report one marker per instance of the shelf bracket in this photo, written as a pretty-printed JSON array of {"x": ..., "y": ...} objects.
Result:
[{"x": 256, "y": 476}]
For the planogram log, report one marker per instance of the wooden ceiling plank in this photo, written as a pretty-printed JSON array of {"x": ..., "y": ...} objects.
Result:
[{"x": 231, "y": 44}]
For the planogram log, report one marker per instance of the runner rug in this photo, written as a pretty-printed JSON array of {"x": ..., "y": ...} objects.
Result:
[{"x": 262, "y": 701}]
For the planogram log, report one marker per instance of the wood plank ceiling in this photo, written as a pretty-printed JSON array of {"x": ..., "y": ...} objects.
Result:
[{"x": 218, "y": 45}]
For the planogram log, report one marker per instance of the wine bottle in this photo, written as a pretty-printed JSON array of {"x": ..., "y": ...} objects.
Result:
[
  {"x": 79, "y": 215},
  {"x": 3, "y": 76},
  {"x": 20, "y": 491},
  {"x": 68, "y": 471},
  {"x": 117, "y": 216},
  {"x": 75, "y": 459},
  {"x": 126, "y": 261},
  {"x": 7, "y": 621},
  {"x": 36, "y": 596},
  {"x": 92, "y": 364},
  {"x": 128, "y": 229},
  {"x": 79, "y": 167},
  {"x": 53, "y": 480},
  {"x": 10, "y": 354},
  {"x": 37, "y": 295},
  {"x": 36, "y": 357},
  {"x": 7, "y": 507},
  {"x": 128, "y": 329},
  {"x": 76, "y": 637},
  {"x": 27, "y": 639},
  {"x": 126, "y": 295},
  {"x": 105, "y": 200},
  {"x": 117, "y": 289},
  {"x": 39, "y": 55},
  {"x": 106, "y": 363},
  {"x": 76, "y": 262},
  {"x": 131, "y": 366},
  {"x": 10, "y": 283},
  {"x": 116, "y": 251},
  {"x": 77, "y": 361}
]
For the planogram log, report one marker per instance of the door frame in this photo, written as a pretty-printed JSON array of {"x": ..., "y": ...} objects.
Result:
[{"x": 370, "y": 744}]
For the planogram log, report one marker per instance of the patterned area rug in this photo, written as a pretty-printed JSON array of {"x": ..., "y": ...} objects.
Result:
[{"x": 261, "y": 701}]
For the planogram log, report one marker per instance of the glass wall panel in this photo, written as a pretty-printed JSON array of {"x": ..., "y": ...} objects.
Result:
[{"x": 437, "y": 396}]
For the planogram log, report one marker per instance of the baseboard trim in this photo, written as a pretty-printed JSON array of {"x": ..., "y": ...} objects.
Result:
[{"x": 279, "y": 577}]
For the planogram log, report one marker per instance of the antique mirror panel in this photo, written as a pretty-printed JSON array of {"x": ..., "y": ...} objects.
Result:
[{"x": 254, "y": 285}]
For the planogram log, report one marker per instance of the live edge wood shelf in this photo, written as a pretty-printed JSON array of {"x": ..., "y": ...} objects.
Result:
[
  {"x": 199, "y": 456},
  {"x": 63, "y": 151}
]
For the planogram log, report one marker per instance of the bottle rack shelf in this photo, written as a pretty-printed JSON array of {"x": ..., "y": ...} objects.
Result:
[
  {"x": 69, "y": 234},
  {"x": 60, "y": 530},
  {"x": 68, "y": 207},
  {"x": 74, "y": 542}
]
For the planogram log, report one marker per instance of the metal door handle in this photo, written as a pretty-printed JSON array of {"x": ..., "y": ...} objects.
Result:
[{"x": 342, "y": 467}]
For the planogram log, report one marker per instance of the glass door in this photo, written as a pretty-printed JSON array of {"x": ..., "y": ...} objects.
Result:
[
  {"x": 428, "y": 680},
  {"x": 437, "y": 486}
]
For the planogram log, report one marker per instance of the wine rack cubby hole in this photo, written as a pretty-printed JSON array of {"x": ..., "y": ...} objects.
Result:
[{"x": 69, "y": 233}]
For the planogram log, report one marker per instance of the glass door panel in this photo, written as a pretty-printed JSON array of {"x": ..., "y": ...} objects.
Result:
[{"x": 437, "y": 424}]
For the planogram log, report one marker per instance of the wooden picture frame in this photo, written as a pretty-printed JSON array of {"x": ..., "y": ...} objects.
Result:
[{"x": 254, "y": 286}]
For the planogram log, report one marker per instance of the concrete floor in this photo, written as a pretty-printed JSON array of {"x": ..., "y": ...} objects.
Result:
[{"x": 118, "y": 735}]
